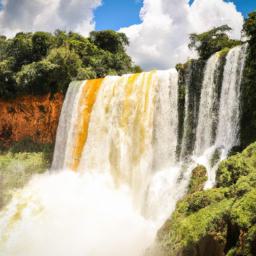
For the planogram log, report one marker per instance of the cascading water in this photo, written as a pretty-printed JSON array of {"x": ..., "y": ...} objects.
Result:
[
  {"x": 229, "y": 113},
  {"x": 120, "y": 135},
  {"x": 193, "y": 83},
  {"x": 66, "y": 127},
  {"x": 228, "y": 116},
  {"x": 207, "y": 115}
]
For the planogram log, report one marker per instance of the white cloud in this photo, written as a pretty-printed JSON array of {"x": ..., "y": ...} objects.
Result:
[
  {"x": 161, "y": 40},
  {"x": 47, "y": 15}
]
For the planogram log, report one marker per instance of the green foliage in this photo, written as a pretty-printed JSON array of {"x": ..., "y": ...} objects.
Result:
[
  {"x": 39, "y": 63},
  {"x": 19, "y": 50},
  {"x": 212, "y": 41},
  {"x": 7, "y": 80},
  {"x": 29, "y": 146},
  {"x": 250, "y": 26},
  {"x": 68, "y": 63},
  {"x": 110, "y": 41},
  {"x": 41, "y": 43},
  {"x": 37, "y": 77},
  {"x": 248, "y": 122},
  {"x": 237, "y": 166},
  {"x": 225, "y": 215},
  {"x": 19, "y": 163},
  {"x": 195, "y": 216}
]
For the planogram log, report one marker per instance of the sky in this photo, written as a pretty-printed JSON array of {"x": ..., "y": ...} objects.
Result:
[
  {"x": 158, "y": 30},
  {"x": 115, "y": 14}
]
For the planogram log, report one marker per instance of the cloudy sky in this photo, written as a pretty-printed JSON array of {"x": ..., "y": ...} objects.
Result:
[{"x": 157, "y": 29}]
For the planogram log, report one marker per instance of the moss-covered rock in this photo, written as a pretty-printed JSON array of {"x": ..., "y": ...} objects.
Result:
[
  {"x": 198, "y": 179},
  {"x": 219, "y": 221},
  {"x": 236, "y": 167}
]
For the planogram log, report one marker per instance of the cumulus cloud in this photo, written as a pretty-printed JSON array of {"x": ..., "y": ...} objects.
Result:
[
  {"x": 47, "y": 15},
  {"x": 161, "y": 40}
]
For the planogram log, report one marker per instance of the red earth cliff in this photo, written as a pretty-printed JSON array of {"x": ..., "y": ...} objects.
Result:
[{"x": 35, "y": 117}]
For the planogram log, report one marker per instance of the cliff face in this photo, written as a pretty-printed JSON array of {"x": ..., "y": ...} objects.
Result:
[{"x": 30, "y": 116}]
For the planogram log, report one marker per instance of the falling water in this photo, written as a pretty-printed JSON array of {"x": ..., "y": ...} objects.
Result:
[
  {"x": 229, "y": 113},
  {"x": 166, "y": 121},
  {"x": 193, "y": 83},
  {"x": 207, "y": 115},
  {"x": 119, "y": 135},
  {"x": 65, "y": 130},
  {"x": 228, "y": 116}
]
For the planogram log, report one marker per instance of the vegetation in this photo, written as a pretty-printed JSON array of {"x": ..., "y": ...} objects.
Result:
[
  {"x": 198, "y": 179},
  {"x": 248, "y": 123},
  {"x": 41, "y": 62},
  {"x": 19, "y": 163},
  {"x": 212, "y": 41},
  {"x": 16, "y": 169},
  {"x": 221, "y": 219}
]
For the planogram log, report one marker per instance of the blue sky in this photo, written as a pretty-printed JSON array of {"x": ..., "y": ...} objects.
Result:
[
  {"x": 114, "y": 14},
  {"x": 245, "y": 6}
]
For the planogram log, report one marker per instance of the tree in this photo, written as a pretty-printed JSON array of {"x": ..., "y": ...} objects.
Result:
[
  {"x": 37, "y": 78},
  {"x": 41, "y": 43},
  {"x": 248, "y": 120},
  {"x": 250, "y": 26},
  {"x": 212, "y": 41},
  {"x": 41, "y": 62},
  {"x": 3, "y": 45},
  {"x": 7, "y": 81},
  {"x": 109, "y": 40},
  {"x": 19, "y": 50},
  {"x": 68, "y": 65}
]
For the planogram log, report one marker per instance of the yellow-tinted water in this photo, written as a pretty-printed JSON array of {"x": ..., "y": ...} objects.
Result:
[{"x": 86, "y": 103}]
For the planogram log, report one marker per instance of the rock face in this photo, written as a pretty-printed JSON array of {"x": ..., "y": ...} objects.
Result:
[{"x": 34, "y": 117}]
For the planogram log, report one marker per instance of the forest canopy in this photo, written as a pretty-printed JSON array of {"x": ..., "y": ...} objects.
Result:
[{"x": 39, "y": 63}]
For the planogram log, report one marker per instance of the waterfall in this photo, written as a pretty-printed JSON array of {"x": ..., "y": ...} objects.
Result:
[
  {"x": 66, "y": 124},
  {"x": 193, "y": 83},
  {"x": 207, "y": 115},
  {"x": 229, "y": 113},
  {"x": 121, "y": 136},
  {"x": 166, "y": 121}
]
